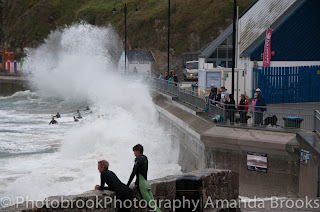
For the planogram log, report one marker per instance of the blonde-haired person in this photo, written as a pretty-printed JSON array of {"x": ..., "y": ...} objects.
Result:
[
  {"x": 253, "y": 105},
  {"x": 123, "y": 192}
]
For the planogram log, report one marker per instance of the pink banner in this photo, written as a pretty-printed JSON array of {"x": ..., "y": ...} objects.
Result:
[{"x": 267, "y": 49}]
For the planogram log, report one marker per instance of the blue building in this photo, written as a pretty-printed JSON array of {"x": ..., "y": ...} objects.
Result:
[{"x": 295, "y": 40}]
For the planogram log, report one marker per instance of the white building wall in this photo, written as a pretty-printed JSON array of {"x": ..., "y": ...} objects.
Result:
[
  {"x": 224, "y": 77},
  {"x": 142, "y": 67}
]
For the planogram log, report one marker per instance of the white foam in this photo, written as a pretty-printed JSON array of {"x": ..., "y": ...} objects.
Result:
[{"x": 74, "y": 65}]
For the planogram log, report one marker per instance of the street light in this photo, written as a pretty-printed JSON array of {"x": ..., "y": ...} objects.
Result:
[
  {"x": 168, "y": 37},
  {"x": 125, "y": 10},
  {"x": 234, "y": 45}
]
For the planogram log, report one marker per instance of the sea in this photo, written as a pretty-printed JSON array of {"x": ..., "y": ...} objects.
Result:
[{"x": 74, "y": 68}]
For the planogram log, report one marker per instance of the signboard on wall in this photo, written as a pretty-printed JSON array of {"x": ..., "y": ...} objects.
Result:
[
  {"x": 213, "y": 78},
  {"x": 304, "y": 157},
  {"x": 257, "y": 161}
]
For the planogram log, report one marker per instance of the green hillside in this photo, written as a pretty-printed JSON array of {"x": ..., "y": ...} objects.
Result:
[{"x": 194, "y": 23}]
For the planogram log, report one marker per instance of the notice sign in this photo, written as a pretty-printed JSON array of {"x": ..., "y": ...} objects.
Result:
[
  {"x": 304, "y": 157},
  {"x": 214, "y": 78},
  {"x": 257, "y": 161}
]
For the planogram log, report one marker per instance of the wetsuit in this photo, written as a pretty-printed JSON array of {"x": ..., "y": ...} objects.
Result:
[
  {"x": 140, "y": 170},
  {"x": 53, "y": 122},
  {"x": 58, "y": 115},
  {"x": 79, "y": 115},
  {"x": 123, "y": 192}
]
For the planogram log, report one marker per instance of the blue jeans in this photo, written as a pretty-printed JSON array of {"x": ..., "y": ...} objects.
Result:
[{"x": 258, "y": 117}]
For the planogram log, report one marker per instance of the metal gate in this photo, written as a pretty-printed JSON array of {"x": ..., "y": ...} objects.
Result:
[{"x": 288, "y": 84}]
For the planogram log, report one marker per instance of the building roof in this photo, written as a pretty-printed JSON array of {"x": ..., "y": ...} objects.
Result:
[
  {"x": 214, "y": 45},
  {"x": 140, "y": 55},
  {"x": 253, "y": 22},
  {"x": 296, "y": 38},
  {"x": 262, "y": 15}
]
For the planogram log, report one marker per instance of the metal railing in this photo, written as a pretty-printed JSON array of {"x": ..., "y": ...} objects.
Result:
[
  {"x": 252, "y": 117},
  {"x": 317, "y": 122}
]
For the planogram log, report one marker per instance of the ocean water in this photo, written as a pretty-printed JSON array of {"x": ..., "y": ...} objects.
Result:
[{"x": 71, "y": 69}]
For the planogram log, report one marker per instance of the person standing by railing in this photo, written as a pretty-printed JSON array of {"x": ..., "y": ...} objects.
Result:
[
  {"x": 211, "y": 98},
  {"x": 170, "y": 80},
  {"x": 253, "y": 105},
  {"x": 229, "y": 105},
  {"x": 224, "y": 93},
  {"x": 166, "y": 77},
  {"x": 243, "y": 109},
  {"x": 161, "y": 77},
  {"x": 260, "y": 107}
]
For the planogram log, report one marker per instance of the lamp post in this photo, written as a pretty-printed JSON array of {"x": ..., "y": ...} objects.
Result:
[
  {"x": 234, "y": 44},
  {"x": 125, "y": 10},
  {"x": 168, "y": 37}
]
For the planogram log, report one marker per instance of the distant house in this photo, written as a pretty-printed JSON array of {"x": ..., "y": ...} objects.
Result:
[
  {"x": 138, "y": 62},
  {"x": 294, "y": 42}
]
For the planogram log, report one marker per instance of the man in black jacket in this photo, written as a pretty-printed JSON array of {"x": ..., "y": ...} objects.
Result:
[{"x": 230, "y": 107}]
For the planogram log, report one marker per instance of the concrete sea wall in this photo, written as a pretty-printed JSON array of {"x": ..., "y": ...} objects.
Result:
[
  {"x": 10, "y": 84},
  {"x": 202, "y": 144},
  {"x": 217, "y": 185}
]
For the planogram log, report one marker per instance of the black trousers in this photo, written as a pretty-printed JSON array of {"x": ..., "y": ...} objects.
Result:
[
  {"x": 243, "y": 116},
  {"x": 125, "y": 195}
]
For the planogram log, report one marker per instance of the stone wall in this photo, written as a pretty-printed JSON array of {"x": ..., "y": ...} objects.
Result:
[
  {"x": 217, "y": 185},
  {"x": 10, "y": 84},
  {"x": 7, "y": 89}
]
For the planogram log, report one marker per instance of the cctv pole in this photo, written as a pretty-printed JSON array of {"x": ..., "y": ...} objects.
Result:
[
  {"x": 234, "y": 44},
  {"x": 125, "y": 38},
  {"x": 169, "y": 38}
]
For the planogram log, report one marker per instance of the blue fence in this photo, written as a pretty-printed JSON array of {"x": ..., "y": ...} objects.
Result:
[{"x": 288, "y": 84}]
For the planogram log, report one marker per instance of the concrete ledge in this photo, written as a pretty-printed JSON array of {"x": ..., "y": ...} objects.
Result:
[{"x": 217, "y": 184}]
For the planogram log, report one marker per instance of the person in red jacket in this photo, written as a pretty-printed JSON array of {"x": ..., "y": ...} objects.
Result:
[{"x": 243, "y": 109}]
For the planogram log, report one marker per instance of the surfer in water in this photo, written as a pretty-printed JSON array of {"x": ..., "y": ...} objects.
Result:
[
  {"x": 140, "y": 170},
  {"x": 53, "y": 121},
  {"x": 79, "y": 115},
  {"x": 123, "y": 192},
  {"x": 87, "y": 108},
  {"x": 58, "y": 115}
]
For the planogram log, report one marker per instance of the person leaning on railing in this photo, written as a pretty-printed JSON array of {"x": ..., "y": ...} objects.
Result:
[{"x": 211, "y": 98}]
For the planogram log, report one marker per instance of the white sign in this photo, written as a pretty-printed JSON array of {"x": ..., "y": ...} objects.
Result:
[{"x": 214, "y": 78}]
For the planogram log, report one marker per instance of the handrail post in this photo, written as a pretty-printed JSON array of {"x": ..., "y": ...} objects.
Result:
[
  {"x": 253, "y": 116},
  {"x": 315, "y": 120}
]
